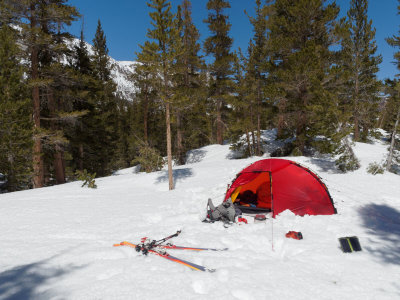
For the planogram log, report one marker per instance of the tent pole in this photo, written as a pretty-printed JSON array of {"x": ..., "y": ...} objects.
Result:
[
  {"x": 272, "y": 211},
  {"x": 272, "y": 226}
]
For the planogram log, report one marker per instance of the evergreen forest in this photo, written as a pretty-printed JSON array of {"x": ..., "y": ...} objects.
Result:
[{"x": 306, "y": 72}]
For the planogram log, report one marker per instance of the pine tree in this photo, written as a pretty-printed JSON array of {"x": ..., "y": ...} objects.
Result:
[
  {"x": 218, "y": 45},
  {"x": 188, "y": 78},
  {"x": 57, "y": 113},
  {"x": 391, "y": 122},
  {"x": 394, "y": 120},
  {"x": 146, "y": 82},
  {"x": 301, "y": 34},
  {"x": 84, "y": 89},
  {"x": 42, "y": 26},
  {"x": 242, "y": 108},
  {"x": 166, "y": 34},
  {"x": 257, "y": 66},
  {"x": 82, "y": 61},
  {"x": 104, "y": 118},
  {"x": 362, "y": 64},
  {"x": 15, "y": 108},
  {"x": 101, "y": 61}
]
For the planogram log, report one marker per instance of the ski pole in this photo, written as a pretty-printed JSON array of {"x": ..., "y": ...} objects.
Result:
[
  {"x": 146, "y": 247},
  {"x": 159, "y": 242}
]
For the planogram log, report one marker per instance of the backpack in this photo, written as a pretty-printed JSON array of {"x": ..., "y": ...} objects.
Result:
[{"x": 225, "y": 212}]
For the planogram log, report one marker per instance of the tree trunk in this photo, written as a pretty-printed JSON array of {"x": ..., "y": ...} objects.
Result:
[
  {"x": 300, "y": 131},
  {"x": 220, "y": 128},
  {"x": 258, "y": 119},
  {"x": 58, "y": 162},
  {"x": 356, "y": 104},
  {"x": 38, "y": 167},
  {"x": 169, "y": 148},
  {"x": 281, "y": 122},
  {"x": 145, "y": 117},
  {"x": 381, "y": 118},
  {"x": 391, "y": 149},
  {"x": 254, "y": 140},
  {"x": 356, "y": 127},
  {"x": 281, "y": 118},
  {"x": 302, "y": 121},
  {"x": 81, "y": 156},
  {"x": 250, "y": 152},
  {"x": 179, "y": 139},
  {"x": 59, "y": 165},
  {"x": 11, "y": 184}
]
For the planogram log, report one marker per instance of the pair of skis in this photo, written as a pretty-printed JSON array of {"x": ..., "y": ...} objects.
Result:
[{"x": 156, "y": 247}]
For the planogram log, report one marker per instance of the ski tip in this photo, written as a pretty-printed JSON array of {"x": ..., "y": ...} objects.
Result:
[
  {"x": 220, "y": 249},
  {"x": 116, "y": 245},
  {"x": 211, "y": 270}
]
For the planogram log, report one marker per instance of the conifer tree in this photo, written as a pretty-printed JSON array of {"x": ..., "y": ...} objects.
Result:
[
  {"x": 218, "y": 45},
  {"x": 15, "y": 108},
  {"x": 188, "y": 78},
  {"x": 394, "y": 120},
  {"x": 242, "y": 107},
  {"x": 165, "y": 32},
  {"x": 57, "y": 113},
  {"x": 146, "y": 82},
  {"x": 362, "y": 64},
  {"x": 257, "y": 66},
  {"x": 104, "y": 118},
  {"x": 44, "y": 41},
  {"x": 101, "y": 61},
  {"x": 84, "y": 89},
  {"x": 300, "y": 36},
  {"x": 82, "y": 58},
  {"x": 391, "y": 121}
]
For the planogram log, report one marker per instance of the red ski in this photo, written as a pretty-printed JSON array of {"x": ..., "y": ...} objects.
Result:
[
  {"x": 163, "y": 254},
  {"x": 174, "y": 247}
]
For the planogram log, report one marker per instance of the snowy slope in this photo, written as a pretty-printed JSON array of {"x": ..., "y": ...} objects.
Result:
[{"x": 56, "y": 242}]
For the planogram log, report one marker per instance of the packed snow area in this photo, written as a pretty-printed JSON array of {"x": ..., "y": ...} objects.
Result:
[{"x": 57, "y": 242}]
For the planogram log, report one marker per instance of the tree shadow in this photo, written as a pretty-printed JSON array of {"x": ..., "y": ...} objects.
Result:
[
  {"x": 395, "y": 169},
  {"x": 325, "y": 165},
  {"x": 24, "y": 282},
  {"x": 235, "y": 154},
  {"x": 383, "y": 222},
  {"x": 195, "y": 156},
  {"x": 177, "y": 174}
]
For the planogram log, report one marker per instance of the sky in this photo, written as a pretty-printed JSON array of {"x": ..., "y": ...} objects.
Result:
[{"x": 125, "y": 23}]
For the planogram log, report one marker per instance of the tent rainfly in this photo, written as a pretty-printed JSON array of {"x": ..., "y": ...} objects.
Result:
[{"x": 280, "y": 184}]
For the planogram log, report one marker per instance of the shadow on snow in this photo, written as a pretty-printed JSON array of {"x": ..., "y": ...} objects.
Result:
[
  {"x": 28, "y": 281},
  {"x": 178, "y": 175},
  {"x": 383, "y": 222},
  {"x": 327, "y": 165},
  {"x": 195, "y": 156}
]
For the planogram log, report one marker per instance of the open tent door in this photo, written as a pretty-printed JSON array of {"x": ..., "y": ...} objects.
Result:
[{"x": 255, "y": 195}]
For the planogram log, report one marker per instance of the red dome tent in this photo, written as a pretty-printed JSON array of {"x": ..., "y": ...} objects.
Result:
[{"x": 281, "y": 184}]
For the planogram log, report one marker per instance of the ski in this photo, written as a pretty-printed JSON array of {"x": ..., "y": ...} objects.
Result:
[
  {"x": 165, "y": 255},
  {"x": 174, "y": 247}
]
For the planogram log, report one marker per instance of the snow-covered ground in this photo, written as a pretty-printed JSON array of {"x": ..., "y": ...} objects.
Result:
[{"x": 56, "y": 242}]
